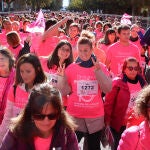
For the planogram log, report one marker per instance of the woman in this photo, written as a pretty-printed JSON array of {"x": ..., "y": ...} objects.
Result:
[
  {"x": 110, "y": 37},
  {"x": 99, "y": 53},
  {"x": 43, "y": 124},
  {"x": 98, "y": 30},
  {"x": 14, "y": 42},
  {"x": 62, "y": 54},
  {"x": 106, "y": 26},
  {"x": 138, "y": 137},
  {"x": 84, "y": 80},
  {"x": 15, "y": 46},
  {"x": 7, "y": 74},
  {"x": 28, "y": 73},
  {"x": 122, "y": 97}
]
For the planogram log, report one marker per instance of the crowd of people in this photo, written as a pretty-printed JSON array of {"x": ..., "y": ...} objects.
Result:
[{"x": 82, "y": 75}]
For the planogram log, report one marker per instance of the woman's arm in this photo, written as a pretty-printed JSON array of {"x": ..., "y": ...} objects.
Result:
[
  {"x": 53, "y": 30},
  {"x": 6, "y": 120},
  {"x": 8, "y": 142},
  {"x": 72, "y": 143},
  {"x": 102, "y": 76},
  {"x": 104, "y": 81},
  {"x": 129, "y": 139}
]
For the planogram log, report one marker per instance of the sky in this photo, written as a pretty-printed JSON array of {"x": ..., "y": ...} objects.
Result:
[{"x": 65, "y": 2}]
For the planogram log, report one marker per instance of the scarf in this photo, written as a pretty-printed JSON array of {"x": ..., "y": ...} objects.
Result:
[
  {"x": 134, "y": 39},
  {"x": 86, "y": 64}
]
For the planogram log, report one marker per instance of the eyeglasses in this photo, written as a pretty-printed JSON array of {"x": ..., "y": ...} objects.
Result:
[
  {"x": 51, "y": 116},
  {"x": 133, "y": 68}
]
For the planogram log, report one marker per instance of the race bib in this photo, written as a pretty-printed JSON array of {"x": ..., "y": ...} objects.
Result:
[
  {"x": 85, "y": 87},
  {"x": 52, "y": 78}
]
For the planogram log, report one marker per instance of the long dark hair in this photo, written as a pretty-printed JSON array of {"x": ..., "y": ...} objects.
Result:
[
  {"x": 24, "y": 127},
  {"x": 106, "y": 40},
  {"x": 53, "y": 59},
  {"x": 35, "y": 62}
]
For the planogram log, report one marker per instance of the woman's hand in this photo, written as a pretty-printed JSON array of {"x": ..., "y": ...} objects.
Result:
[
  {"x": 28, "y": 40},
  {"x": 96, "y": 64},
  {"x": 61, "y": 69}
]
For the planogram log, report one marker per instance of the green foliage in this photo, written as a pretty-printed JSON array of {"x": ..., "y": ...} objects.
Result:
[
  {"x": 110, "y": 6},
  {"x": 9, "y": 1},
  {"x": 37, "y": 4}
]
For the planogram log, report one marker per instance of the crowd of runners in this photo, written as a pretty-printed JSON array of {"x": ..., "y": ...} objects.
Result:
[{"x": 65, "y": 76}]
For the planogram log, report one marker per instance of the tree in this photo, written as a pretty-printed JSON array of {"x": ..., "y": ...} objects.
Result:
[
  {"x": 38, "y": 4},
  {"x": 9, "y": 3},
  {"x": 132, "y": 7}
]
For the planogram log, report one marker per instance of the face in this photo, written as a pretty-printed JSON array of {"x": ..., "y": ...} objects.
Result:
[
  {"x": 64, "y": 52},
  {"x": 4, "y": 63},
  {"x": 131, "y": 70},
  {"x": 46, "y": 125},
  {"x": 106, "y": 28},
  {"x": 8, "y": 25},
  {"x": 112, "y": 37},
  {"x": 25, "y": 26},
  {"x": 28, "y": 73},
  {"x": 84, "y": 51},
  {"x": 99, "y": 26},
  {"x": 134, "y": 31},
  {"x": 124, "y": 35},
  {"x": 73, "y": 31},
  {"x": 15, "y": 26}
]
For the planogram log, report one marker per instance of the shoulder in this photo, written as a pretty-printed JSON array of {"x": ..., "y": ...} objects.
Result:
[
  {"x": 114, "y": 45},
  {"x": 129, "y": 138},
  {"x": 132, "y": 45},
  {"x": 72, "y": 66}
]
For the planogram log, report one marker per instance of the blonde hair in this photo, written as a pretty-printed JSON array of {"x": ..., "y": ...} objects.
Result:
[{"x": 142, "y": 101}]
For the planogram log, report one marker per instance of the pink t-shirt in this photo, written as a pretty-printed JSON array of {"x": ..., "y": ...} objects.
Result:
[
  {"x": 51, "y": 75},
  {"x": 117, "y": 53},
  {"x": 3, "y": 39},
  {"x": 73, "y": 42},
  {"x": 42, "y": 143},
  {"x": 15, "y": 51},
  {"x": 85, "y": 99},
  {"x": 103, "y": 47},
  {"x": 2, "y": 85},
  {"x": 20, "y": 99},
  {"x": 99, "y": 34},
  {"x": 137, "y": 43},
  {"x": 100, "y": 54},
  {"x": 46, "y": 47},
  {"x": 134, "y": 90}
]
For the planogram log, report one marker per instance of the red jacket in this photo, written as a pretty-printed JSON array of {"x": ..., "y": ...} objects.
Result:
[{"x": 116, "y": 104}]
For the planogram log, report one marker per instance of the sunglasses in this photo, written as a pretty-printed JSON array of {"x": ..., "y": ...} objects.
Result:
[
  {"x": 51, "y": 116},
  {"x": 133, "y": 68}
]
